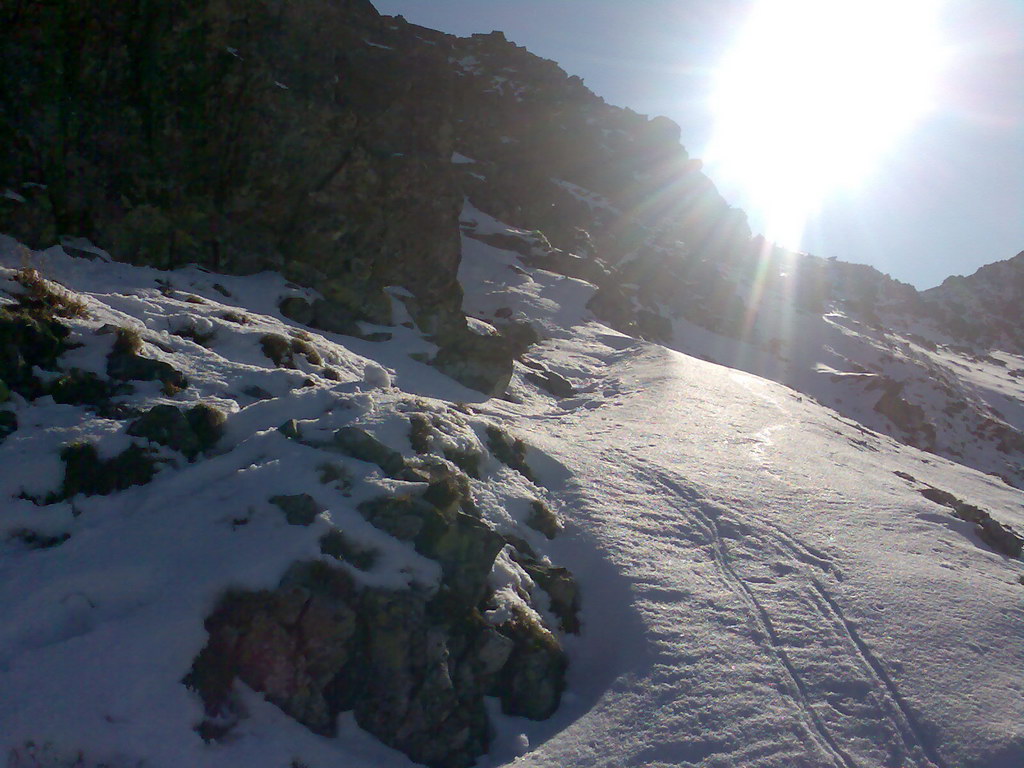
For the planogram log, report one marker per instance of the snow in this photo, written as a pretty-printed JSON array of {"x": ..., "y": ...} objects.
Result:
[
  {"x": 760, "y": 588},
  {"x": 784, "y": 611}
]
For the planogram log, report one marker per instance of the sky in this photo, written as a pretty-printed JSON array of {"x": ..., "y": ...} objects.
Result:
[{"x": 944, "y": 197}]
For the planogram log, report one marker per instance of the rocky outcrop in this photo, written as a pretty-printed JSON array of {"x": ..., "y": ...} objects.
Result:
[
  {"x": 1001, "y": 537},
  {"x": 909, "y": 418},
  {"x": 309, "y": 136},
  {"x": 412, "y": 665},
  {"x": 983, "y": 308},
  {"x": 189, "y": 431}
]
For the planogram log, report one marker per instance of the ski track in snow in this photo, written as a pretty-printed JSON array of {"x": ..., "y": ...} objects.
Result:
[
  {"x": 759, "y": 589},
  {"x": 777, "y": 595}
]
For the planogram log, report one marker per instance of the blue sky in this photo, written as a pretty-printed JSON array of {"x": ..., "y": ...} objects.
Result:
[{"x": 951, "y": 197}]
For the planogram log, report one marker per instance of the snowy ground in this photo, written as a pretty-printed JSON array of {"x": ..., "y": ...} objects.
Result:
[
  {"x": 760, "y": 587},
  {"x": 782, "y": 597}
]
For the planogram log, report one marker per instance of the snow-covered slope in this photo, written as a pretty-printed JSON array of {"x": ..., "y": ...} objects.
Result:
[{"x": 764, "y": 582}]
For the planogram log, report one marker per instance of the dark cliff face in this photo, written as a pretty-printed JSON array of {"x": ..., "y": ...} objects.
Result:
[
  {"x": 315, "y": 137},
  {"x": 306, "y": 136},
  {"x": 985, "y": 307},
  {"x": 536, "y": 134}
]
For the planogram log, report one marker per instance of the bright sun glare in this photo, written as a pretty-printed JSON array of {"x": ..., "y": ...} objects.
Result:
[{"x": 812, "y": 95}]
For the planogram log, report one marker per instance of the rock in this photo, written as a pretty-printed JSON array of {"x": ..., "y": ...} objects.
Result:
[
  {"x": 476, "y": 360},
  {"x": 464, "y": 545},
  {"x": 654, "y": 327},
  {"x": 554, "y": 383},
  {"x": 277, "y": 348},
  {"x": 520, "y": 336},
  {"x": 532, "y": 680},
  {"x": 1002, "y": 538},
  {"x": 543, "y": 519},
  {"x": 418, "y": 698},
  {"x": 299, "y": 509},
  {"x": 360, "y": 444},
  {"x": 190, "y": 432},
  {"x": 29, "y": 338},
  {"x": 8, "y": 424},
  {"x": 297, "y": 309},
  {"x": 337, "y": 475},
  {"x": 907, "y": 416},
  {"x": 412, "y": 665},
  {"x": 468, "y": 460},
  {"x": 334, "y": 318},
  {"x": 166, "y": 425},
  {"x": 282, "y": 351},
  {"x": 343, "y": 180},
  {"x": 30, "y": 219},
  {"x": 85, "y": 472},
  {"x": 208, "y": 424},
  {"x": 258, "y": 393},
  {"x": 446, "y": 494},
  {"x": 77, "y": 387},
  {"x": 291, "y": 430},
  {"x": 36, "y": 540},
  {"x": 466, "y": 549},
  {"x": 254, "y": 636},
  {"x": 125, "y": 363},
  {"x": 561, "y": 587},
  {"x": 509, "y": 451},
  {"x": 320, "y": 645},
  {"x": 405, "y": 518},
  {"x": 613, "y": 306},
  {"x": 569, "y": 264},
  {"x": 420, "y": 432}
]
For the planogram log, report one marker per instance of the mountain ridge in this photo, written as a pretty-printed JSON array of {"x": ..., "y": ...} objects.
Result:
[{"x": 373, "y": 396}]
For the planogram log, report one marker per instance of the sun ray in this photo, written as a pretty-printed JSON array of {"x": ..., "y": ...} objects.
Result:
[{"x": 813, "y": 94}]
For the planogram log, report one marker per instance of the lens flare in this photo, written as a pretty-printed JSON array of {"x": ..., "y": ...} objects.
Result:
[{"x": 813, "y": 94}]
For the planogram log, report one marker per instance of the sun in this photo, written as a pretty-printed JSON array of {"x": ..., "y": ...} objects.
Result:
[{"x": 813, "y": 94}]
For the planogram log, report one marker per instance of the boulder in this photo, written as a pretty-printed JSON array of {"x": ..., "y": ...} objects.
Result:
[
  {"x": 478, "y": 361},
  {"x": 508, "y": 450},
  {"x": 190, "y": 432},
  {"x": 334, "y": 318},
  {"x": 85, "y": 472},
  {"x": 125, "y": 363},
  {"x": 360, "y": 444},
  {"x": 532, "y": 680},
  {"x": 299, "y": 508},
  {"x": 297, "y": 309},
  {"x": 77, "y": 387},
  {"x": 543, "y": 519}
]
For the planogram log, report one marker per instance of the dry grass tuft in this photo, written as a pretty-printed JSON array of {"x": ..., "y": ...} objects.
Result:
[{"x": 48, "y": 295}]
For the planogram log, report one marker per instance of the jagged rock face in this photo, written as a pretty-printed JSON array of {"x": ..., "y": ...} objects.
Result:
[
  {"x": 540, "y": 137},
  {"x": 984, "y": 308},
  {"x": 308, "y": 136}
]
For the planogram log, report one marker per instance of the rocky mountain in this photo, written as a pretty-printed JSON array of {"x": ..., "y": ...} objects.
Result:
[
  {"x": 356, "y": 378},
  {"x": 984, "y": 308}
]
